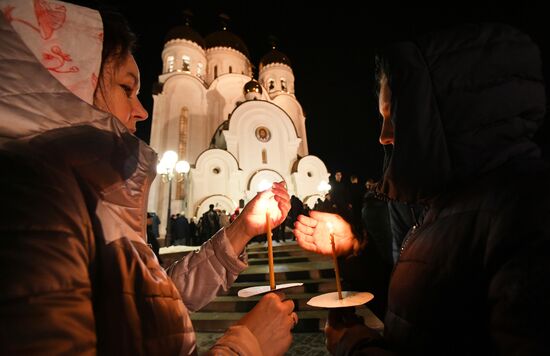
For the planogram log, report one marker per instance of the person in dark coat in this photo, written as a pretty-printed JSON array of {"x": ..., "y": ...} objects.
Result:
[
  {"x": 151, "y": 237},
  {"x": 181, "y": 230},
  {"x": 210, "y": 222},
  {"x": 193, "y": 232},
  {"x": 376, "y": 220},
  {"x": 340, "y": 195},
  {"x": 357, "y": 192},
  {"x": 460, "y": 108}
]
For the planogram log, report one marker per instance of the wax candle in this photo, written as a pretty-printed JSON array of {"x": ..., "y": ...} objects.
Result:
[
  {"x": 270, "y": 251},
  {"x": 335, "y": 261}
]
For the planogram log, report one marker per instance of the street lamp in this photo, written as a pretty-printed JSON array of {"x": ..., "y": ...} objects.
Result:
[
  {"x": 323, "y": 186},
  {"x": 169, "y": 168}
]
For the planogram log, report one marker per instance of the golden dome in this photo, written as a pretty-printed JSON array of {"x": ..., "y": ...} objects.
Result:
[{"x": 252, "y": 87}]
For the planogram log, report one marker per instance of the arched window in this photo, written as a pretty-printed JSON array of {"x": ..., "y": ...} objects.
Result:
[
  {"x": 271, "y": 85},
  {"x": 185, "y": 63},
  {"x": 264, "y": 156},
  {"x": 215, "y": 72},
  {"x": 283, "y": 85},
  {"x": 199, "y": 70},
  {"x": 230, "y": 69},
  {"x": 170, "y": 64}
]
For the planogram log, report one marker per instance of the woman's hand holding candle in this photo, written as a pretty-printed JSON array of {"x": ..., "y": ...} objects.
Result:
[
  {"x": 252, "y": 220},
  {"x": 312, "y": 234}
]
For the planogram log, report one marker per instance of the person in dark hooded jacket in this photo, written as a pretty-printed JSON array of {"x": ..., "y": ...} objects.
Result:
[{"x": 460, "y": 107}]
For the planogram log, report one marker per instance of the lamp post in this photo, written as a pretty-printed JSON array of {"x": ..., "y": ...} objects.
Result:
[{"x": 169, "y": 168}]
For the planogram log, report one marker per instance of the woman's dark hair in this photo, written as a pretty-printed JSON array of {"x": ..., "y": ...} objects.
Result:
[{"x": 118, "y": 39}]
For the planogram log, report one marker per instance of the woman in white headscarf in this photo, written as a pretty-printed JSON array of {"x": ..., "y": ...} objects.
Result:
[{"x": 77, "y": 274}]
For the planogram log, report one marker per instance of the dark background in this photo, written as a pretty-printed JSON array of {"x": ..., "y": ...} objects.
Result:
[{"x": 331, "y": 50}]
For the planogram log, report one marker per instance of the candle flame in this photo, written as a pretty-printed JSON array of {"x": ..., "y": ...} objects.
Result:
[{"x": 264, "y": 185}]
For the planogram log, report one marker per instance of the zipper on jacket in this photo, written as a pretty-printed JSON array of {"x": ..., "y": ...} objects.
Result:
[{"x": 410, "y": 233}]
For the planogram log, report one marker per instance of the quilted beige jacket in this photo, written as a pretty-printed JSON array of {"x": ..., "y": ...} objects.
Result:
[{"x": 77, "y": 276}]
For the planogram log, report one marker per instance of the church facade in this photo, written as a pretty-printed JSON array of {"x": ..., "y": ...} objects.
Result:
[{"x": 236, "y": 133}]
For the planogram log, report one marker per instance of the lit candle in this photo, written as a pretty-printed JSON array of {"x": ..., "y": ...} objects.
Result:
[
  {"x": 335, "y": 261},
  {"x": 270, "y": 250}
]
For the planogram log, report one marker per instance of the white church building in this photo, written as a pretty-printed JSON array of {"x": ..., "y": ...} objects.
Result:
[{"x": 234, "y": 131}]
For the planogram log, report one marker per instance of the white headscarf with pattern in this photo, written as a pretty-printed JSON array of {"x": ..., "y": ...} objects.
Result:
[{"x": 55, "y": 32}]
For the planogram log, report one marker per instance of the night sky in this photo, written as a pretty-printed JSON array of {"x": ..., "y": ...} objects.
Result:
[{"x": 331, "y": 49}]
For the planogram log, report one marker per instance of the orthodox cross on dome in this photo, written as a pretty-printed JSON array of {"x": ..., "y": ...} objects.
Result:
[
  {"x": 187, "y": 16},
  {"x": 273, "y": 40},
  {"x": 224, "y": 20}
]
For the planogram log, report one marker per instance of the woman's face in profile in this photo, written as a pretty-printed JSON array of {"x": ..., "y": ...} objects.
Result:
[{"x": 117, "y": 92}]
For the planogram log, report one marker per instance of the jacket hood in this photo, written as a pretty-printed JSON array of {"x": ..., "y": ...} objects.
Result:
[
  {"x": 464, "y": 101},
  {"x": 37, "y": 108}
]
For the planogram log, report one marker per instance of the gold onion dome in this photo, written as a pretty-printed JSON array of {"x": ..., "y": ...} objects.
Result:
[
  {"x": 252, "y": 90},
  {"x": 252, "y": 87}
]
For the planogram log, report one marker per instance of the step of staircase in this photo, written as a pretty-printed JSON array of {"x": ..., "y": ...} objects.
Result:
[
  {"x": 281, "y": 246},
  {"x": 297, "y": 251},
  {"x": 309, "y": 320},
  {"x": 230, "y": 303},
  {"x": 319, "y": 285},
  {"x": 286, "y": 259}
]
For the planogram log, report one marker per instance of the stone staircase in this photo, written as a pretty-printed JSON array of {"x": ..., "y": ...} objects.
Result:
[{"x": 292, "y": 264}]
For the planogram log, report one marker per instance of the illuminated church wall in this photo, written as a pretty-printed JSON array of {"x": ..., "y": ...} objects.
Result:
[{"x": 234, "y": 131}]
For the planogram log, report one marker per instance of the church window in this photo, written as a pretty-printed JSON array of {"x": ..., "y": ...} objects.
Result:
[
  {"x": 215, "y": 72},
  {"x": 185, "y": 63},
  {"x": 216, "y": 170},
  {"x": 309, "y": 174},
  {"x": 230, "y": 69},
  {"x": 264, "y": 156},
  {"x": 170, "y": 64},
  {"x": 271, "y": 85},
  {"x": 283, "y": 85}
]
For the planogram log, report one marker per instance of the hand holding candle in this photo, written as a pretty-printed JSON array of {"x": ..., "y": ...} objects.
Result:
[
  {"x": 311, "y": 233},
  {"x": 263, "y": 186},
  {"x": 335, "y": 261},
  {"x": 268, "y": 209}
]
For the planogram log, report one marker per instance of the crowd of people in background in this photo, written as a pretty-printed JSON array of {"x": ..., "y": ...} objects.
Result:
[
  {"x": 196, "y": 231},
  {"x": 351, "y": 199}
]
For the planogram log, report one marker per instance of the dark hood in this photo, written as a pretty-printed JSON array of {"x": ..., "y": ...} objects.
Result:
[{"x": 464, "y": 101}]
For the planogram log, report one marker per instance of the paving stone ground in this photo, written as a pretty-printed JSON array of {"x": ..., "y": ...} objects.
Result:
[{"x": 304, "y": 344}]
